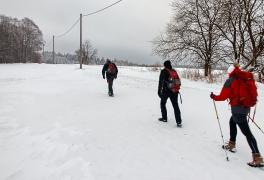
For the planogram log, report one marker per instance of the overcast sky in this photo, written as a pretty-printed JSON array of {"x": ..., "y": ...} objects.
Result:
[{"x": 124, "y": 31}]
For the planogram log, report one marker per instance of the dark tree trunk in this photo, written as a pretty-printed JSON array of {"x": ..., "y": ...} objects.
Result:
[{"x": 207, "y": 69}]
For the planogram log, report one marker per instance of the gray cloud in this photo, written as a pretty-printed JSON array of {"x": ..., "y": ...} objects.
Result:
[{"x": 124, "y": 31}]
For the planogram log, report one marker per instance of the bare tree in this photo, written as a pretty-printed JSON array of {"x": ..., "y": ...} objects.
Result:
[
  {"x": 254, "y": 23},
  {"x": 242, "y": 28},
  {"x": 89, "y": 54},
  {"x": 192, "y": 34},
  {"x": 20, "y": 41},
  {"x": 32, "y": 41}
]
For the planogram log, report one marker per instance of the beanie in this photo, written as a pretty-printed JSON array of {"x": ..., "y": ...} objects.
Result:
[
  {"x": 167, "y": 64},
  {"x": 232, "y": 68}
]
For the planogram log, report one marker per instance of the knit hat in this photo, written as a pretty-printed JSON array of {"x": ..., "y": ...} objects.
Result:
[
  {"x": 232, "y": 68},
  {"x": 167, "y": 64}
]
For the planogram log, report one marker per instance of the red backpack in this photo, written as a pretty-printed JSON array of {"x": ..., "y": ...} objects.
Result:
[
  {"x": 247, "y": 90},
  {"x": 174, "y": 82},
  {"x": 112, "y": 69}
]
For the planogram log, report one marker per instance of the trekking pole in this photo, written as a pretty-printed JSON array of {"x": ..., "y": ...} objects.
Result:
[
  {"x": 249, "y": 115},
  {"x": 220, "y": 130},
  {"x": 256, "y": 124},
  {"x": 180, "y": 97},
  {"x": 254, "y": 112}
]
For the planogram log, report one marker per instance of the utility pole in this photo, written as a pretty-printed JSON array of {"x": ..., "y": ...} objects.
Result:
[
  {"x": 43, "y": 56},
  {"x": 80, "y": 55},
  {"x": 53, "y": 53}
]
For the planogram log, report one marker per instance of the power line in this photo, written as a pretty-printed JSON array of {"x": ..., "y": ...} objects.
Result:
[
  {"x": 66, "y": 32},
  {"x": 80, "y": 19},
  {"x": 103, "y": 8},
  {"x": 48, "y": 42},
  {"x": 76, "y": 22}
]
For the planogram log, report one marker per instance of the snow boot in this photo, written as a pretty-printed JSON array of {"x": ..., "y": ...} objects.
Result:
[
  {"x": 179, "y": 125},
  {"x": 162, "y": 119},
  {"x": 257, "y": 161},
  {"x": 230, "y": 146}
]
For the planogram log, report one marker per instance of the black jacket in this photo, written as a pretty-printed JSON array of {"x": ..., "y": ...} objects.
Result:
[
  {"x": 108, "y": 75},
  {"x": 163, "y": 79}
]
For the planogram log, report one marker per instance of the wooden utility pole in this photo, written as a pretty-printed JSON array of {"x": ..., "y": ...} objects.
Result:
[
  {"x": 80, "y": 55},
  {"x": 43, "y": 56},
  {"x": 53, "y": 53}
]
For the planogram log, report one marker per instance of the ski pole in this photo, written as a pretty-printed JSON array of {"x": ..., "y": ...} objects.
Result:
[
  {"x": 254, "y": 112},
  {"x": 220, "y": 130},
  {"x": 180, "y": 97},
  {"x": 249, "y": 115},
  {"x": 256, "y": 124}
]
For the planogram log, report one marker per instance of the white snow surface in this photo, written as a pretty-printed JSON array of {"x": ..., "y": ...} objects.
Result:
[{"x": 57, "y": 123}]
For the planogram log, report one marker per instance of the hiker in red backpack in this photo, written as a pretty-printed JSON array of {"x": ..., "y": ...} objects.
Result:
[
  {"x": 241, "y": 91},
  {"x": 169, "y": 86},
  {"x": 111, "y": 71}
]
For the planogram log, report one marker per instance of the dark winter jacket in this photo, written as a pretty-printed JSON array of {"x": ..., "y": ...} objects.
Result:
[
  {"x": 229, "y": 91},
  {"x": 105, "y": 71},
  {"x": 163, "y": 82}
]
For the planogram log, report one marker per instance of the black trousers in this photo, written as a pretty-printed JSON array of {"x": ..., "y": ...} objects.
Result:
[
  {"x": 174, "y": 100},
  {"x": 110, "y": 85},
  {"x": 241, "y": 121}
]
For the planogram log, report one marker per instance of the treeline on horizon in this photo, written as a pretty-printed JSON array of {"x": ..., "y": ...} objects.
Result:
[
  {"x": 67, "y": 58},
  {"x": 21, "y": 41}
]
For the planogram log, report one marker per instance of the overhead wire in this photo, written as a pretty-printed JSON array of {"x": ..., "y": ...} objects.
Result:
[
  {"x": 66, "y": 32},
  {"x": 89, "y": 14},
  {"x": 46, "y": 43},
  {"x": 95, "y": 12}
]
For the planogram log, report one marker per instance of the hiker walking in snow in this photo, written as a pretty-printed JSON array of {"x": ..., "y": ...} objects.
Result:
[
  {"x": 241, "y": 91},
  {"x": 110, "y": 70},
  {"x": 169, "y": 86}
]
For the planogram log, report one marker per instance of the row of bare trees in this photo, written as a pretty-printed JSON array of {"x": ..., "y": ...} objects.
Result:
[
  {"x": 211, "y": 33},
  {"x": 89, "y": 53},
  {"x": 89, "y": 57},
  {"x": 20, "y": 40}
]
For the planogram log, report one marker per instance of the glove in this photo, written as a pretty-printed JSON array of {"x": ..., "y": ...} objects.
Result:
[
  {"x": 104, "y": 77},
  {"x": 115, "y": 76},
  {"x": 212, "y": 95}
]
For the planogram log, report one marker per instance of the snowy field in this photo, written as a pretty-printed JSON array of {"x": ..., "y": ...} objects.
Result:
[{"x": 57, "y": 123}]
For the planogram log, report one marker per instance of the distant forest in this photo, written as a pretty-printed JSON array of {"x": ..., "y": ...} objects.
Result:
[
  {"x": 60, "y": 58},
  {"x": 20, "y": 40}
]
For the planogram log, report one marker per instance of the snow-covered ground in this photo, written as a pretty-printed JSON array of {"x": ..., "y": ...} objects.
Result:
[{"x": 57, "y": 123}]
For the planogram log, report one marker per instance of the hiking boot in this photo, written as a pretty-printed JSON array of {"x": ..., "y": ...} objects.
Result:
[
  {"x": 162, "y": 119},
  {"x": 230, "y": 146},
  {"x": 179, "y": 125},
  {"x": 257, "y": 160}
]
